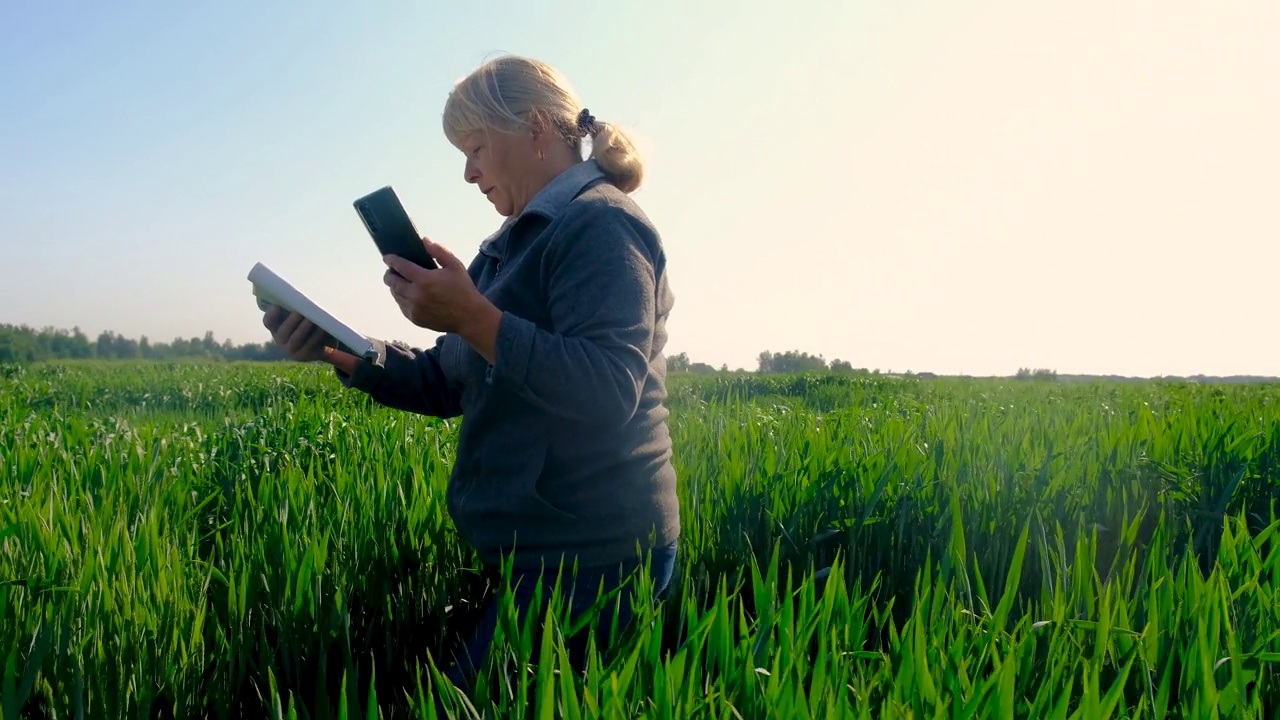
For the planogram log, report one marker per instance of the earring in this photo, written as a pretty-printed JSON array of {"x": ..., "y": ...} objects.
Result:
[{"x": 540, "y": 155}]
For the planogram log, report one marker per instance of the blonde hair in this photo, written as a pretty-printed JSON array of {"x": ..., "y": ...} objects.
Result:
[{"x": 504, "y": 93}]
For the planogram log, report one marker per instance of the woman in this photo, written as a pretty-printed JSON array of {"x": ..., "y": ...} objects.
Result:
[{"x": 552, "y": 347}]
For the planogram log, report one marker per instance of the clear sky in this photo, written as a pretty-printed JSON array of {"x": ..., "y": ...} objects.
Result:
[{"x": 949, "y": 187}]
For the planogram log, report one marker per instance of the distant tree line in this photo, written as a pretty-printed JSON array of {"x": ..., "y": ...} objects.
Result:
[
  {"x": 1036, "y": 374},
  {"x": 23, "y": 344},
  {"x": 768, "y": 362},
  {"x": 796, "y": 361}
]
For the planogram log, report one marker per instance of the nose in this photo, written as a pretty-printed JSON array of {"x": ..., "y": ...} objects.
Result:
[{"x": 470, "y": 173}]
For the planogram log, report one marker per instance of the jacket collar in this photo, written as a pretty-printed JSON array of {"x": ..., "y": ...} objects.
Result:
[{"x": 549, "y": 202}]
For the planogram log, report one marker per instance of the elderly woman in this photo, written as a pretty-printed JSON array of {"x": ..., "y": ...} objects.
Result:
[{"x": 552, "y": 347}]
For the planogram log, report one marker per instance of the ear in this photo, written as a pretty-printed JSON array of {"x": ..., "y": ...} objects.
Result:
[{"x": 538, "y": 123}]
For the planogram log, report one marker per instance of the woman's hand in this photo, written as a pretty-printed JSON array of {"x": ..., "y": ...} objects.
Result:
[
  {"x": 445, "y": 299},
  {"x": 300, "y": 338}
]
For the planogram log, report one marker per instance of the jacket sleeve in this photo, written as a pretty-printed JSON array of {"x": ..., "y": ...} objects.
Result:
[
  {"x": 409, "y": 380},
  {"x": 601, "y": 283}
]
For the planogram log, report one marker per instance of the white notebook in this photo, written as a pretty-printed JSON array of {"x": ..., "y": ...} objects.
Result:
[{"x": 269, "y": 287}]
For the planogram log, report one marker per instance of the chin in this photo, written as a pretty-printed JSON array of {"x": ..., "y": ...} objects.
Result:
[{"x": 502, "y": 208}]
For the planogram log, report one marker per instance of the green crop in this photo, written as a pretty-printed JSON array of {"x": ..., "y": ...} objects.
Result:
[{"x": 248, "y": 540}]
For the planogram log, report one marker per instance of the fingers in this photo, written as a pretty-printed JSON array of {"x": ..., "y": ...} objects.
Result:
[
  {"x": 403, "y": 291},
  {"x": 296, "y": 335},
  {"x": 403, "y": 300},
  {"x": 408, "y": 270},
  {"x": 306, "y": 334},
  {"x": 315, "y": 342},
  {"x": 428, "y": 297},
  {"x": 272, "y": 317},
  {"x": 394, "y": 281},
  {"x": 284, "y": 331},
  {"x": 440, "y": 253}
]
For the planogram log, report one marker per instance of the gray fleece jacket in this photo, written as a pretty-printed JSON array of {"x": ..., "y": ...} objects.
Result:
[{"x": 564, "y": 449}]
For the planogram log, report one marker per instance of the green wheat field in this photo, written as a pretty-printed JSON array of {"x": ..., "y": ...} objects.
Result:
[{"x": 232, "y": 540}]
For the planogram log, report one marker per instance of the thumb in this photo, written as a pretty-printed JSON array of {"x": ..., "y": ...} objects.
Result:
[{"x": 441, "y": 253}]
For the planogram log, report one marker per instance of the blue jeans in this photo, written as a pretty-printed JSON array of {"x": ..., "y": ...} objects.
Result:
[{"x": 585, "y": 590}]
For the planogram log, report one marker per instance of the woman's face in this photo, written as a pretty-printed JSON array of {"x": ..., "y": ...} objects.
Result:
[{"x": 502, "y": 165}]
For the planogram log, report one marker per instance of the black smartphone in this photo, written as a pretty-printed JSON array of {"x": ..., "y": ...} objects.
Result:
[{"x": 390, "y": 227}]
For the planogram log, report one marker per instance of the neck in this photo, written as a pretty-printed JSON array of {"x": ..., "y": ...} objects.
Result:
[{"x": 543, "y": 172}]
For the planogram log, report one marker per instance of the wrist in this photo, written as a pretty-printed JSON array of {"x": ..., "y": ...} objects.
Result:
[{"x": 481, "y": 328}]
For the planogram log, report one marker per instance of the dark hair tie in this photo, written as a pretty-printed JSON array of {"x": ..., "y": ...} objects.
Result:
[{"x": 586, "y": 122}]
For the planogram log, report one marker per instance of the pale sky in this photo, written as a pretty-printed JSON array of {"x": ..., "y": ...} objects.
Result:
[{"x": 948, "y": 187}]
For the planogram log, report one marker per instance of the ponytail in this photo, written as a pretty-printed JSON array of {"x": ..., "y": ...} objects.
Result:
[{"x": 617, "y": 156}]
